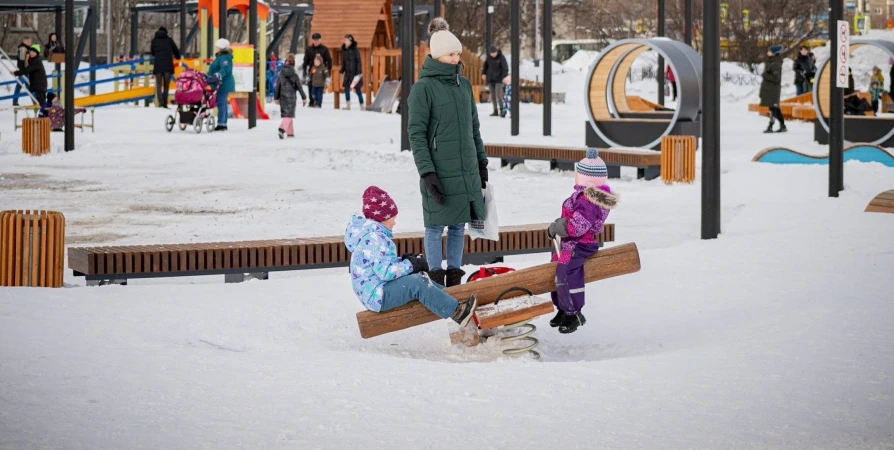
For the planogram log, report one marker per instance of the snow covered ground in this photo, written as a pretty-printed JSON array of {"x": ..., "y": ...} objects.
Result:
[{"x": 776, "y": 335}]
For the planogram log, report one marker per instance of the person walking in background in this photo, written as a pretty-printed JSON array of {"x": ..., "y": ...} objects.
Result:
[
  {"x": 284, "y": 91},
  {"x": 54, "y": 45},
  {"x": 351, "y": 68},
  {"x": 671, "y": 81},
  {"x": 310, "y": 53},
  {"x": 319, "y": 79},
  {"x": 37, "y": 75},
  {"x": 771, "y": 87},
  {"x": 22, "y": 52},
  {"x": 495, "y": 69},
  {"x": 221, "y": 74},
  {"x": 164, "y": 51},
  {"x": 805, "y": 70},
  {"x": 448, "y": 151}
]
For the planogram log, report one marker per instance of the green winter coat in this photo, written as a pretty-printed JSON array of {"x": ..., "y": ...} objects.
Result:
[
  {"x": 445, "y": 139},
  {"x": 223, "y": 66},
  {"x": 772, "y": 81}
]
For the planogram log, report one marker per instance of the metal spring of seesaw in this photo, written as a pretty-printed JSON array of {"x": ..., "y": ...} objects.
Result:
[{"x": 524, "y": 336}]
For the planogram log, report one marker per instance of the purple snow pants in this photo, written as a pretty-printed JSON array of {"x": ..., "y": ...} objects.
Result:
[{"x": 569, "y": 294}]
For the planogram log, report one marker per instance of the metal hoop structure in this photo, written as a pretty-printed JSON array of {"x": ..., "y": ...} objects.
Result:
[
  {"x": 606, "y": 96},
  {"x": 821, "y": 86}
]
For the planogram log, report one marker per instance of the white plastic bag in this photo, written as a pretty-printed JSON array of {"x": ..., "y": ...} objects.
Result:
[{"x": 489, "y": 228}]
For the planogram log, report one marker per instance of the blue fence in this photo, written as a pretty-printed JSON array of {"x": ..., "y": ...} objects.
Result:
[{"x": 57, "y": 75}]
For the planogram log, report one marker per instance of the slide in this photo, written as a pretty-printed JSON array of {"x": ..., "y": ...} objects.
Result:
[
  {"x": 113, "y": 98},
  {"x": 240, "y": 104}
]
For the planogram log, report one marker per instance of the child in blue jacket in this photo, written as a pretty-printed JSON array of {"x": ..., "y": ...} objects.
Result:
[{"x": 384, "y": 281}]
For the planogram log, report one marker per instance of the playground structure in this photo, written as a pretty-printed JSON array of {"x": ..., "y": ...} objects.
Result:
[
  {"x": 882, "y": 203},
  {"x": 867, "y": 153},
  {"x": 870, "y": 129},
  {"x": 612, "y": 120}
]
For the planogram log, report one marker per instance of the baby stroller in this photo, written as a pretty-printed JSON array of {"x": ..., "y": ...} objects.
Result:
[{"x": 195, "y": 100}]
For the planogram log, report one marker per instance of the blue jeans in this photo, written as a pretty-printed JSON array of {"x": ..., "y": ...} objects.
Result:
[
  {"x": 18, "y": 89},
  {"x": 455, "y": 244},
  {"x": 222, "y": 108},
  {"x": 317, "y": 94},
  {"x": 799, "y": 88},
  {"x": 403, "y": 290},
  {"x": 347, "y": 87}
]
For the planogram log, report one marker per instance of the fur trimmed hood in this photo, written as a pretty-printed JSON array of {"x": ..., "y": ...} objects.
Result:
[{"x": 601, "y": 198}]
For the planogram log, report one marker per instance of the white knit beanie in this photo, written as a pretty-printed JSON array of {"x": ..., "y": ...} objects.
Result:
[
  {"x": 442, "y": 41},
  {"x": 222, "y": 44}
]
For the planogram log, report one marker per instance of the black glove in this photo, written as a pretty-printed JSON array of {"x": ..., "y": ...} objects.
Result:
[
  {"x": 482, "y": 172},
  {"x": 433, "y": 187},
  {"x": 559, "y": 227},
  {"x": 419, "y": 262}
]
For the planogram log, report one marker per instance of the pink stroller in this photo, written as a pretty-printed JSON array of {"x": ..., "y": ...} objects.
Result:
[{"x": 195, "y": 102}]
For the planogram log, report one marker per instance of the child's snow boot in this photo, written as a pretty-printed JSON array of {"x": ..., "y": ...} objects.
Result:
[
  {"x": 282, "y": 133},
  {"x": 438, "y": 276},
  {"x": 454, "y": 277},
  {"x": 464, "y": 311},
  {"x": 571, "y": 322},
  {"x": 557, "y": 319}
]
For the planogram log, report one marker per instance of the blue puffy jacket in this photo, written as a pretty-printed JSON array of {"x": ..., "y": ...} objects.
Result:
[{"x": 374, "y": 260}]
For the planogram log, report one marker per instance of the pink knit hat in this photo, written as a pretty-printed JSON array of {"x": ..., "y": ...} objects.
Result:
[
  {"x": 378, "y": 205},
  {"x": 591, "y": 170}
]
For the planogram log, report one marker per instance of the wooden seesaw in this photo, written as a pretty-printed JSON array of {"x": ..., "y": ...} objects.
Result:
[{"x": 606, "y": 263}]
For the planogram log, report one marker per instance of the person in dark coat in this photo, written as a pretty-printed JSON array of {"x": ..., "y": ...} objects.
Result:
[
  {"x": 449, "y": 153},
  {"x": 495, "y": 69},
  {"x": 164, "y": 50},
  {"x": 805, "y": 70},
  {"x": 37, "y": 75},
  {"x": 54, "y": 45},
  {"x": 351, "y": 68},
  {"x": 284, "y": 91},
  {"x": 771, "y": 87},
  {"x": 311, "y": 52},
  {"x": 21, "y": 62}
]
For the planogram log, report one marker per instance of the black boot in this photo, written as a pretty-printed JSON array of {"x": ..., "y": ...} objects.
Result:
[
  {"x": 782, "y": 129},
  {"x": 464, "y": 311},
  {"x": 438, "y": 276},
  {"x": 454, "y": 277},
  {"x": 557, "y": 320},
  {"x": 571, "y": 322}
]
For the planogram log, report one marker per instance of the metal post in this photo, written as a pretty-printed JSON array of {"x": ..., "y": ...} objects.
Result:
[
  {"x": 660, "y": 74},
  {"x": 515, "y": 42},
  {"x": 711, "y": 121},
  {"x": 438, "y": 8},
  {"x": 69, "y": 76},
  {"x": 60, "y": 33},
  {"x": 93, "y": 25},
  {"x": 406, "y": 69},
  {"x": 210, "y": 38},
  {"x": 547, "y": 67},
  {"x": 836, "y": 106},
  {"x": 489, "y": 25},
  {"x": 183, "y": 27},
  {"x": 109, "y": 32},
  {"x": 687, "y": 22},
  {"x": 134, "y": 20},
  {"x": 293, "y": 47},
  {"x": 222, "y": 18},
  {"x": 253, "y": 40}
]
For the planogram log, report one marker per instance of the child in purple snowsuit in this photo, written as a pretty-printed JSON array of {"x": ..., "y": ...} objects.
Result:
[{"x": 583, "y": 216}]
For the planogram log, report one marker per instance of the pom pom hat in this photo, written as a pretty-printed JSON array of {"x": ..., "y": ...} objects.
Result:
[
  {"x": 222, "y": 44},
  {"x": 378, "y": 205},
  {"x": 442, "y": 41},
  {"x": 591, "y": 171}
]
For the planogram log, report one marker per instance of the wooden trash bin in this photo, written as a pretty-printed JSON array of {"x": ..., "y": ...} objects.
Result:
[
  {"x": 32, "y": 248},
  {"x": 678, "y": 159},
  {"x": 36, "y": 136}
]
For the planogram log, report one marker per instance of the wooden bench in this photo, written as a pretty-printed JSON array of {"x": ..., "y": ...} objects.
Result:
[
  {"x": 607, "y": 263},
  {"x": 647, "y": 162},
  {"x": 882, "y": 203},
  {"x": 117, "y": 264}
]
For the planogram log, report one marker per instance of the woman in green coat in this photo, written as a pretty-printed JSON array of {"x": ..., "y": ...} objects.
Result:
[
  {"x": 221, "y": 74},
  {"x": 771, "y": 85},
  {"x": 448, "y": 151}
]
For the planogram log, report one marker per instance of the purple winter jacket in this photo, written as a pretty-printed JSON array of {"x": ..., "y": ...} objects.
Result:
[{"x": 586, "y": 211}]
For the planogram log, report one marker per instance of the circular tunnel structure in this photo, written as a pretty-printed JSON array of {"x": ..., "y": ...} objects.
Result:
[
  {"x": 612, "y": 120},
  {"x": 867, "y": 129}
]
